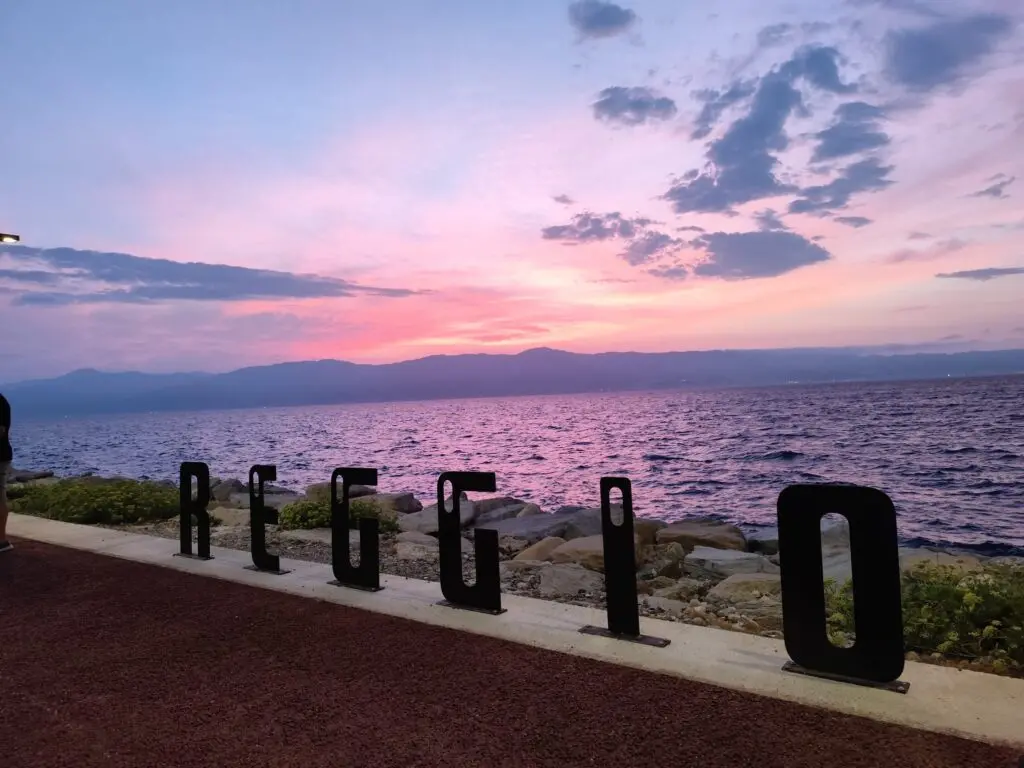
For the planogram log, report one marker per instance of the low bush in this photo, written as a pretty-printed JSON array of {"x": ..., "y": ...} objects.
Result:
[
  {"x": 316, "y": 513},
  {"x": 974, "y": 616},
  {"x": 111, "y": 502}
]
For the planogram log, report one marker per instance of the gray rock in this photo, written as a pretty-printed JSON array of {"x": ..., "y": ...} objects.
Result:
[
  {"x": 226, "y": 488},
  {"x": 763, "y": 540},
  {"x": 569, "y": 580},
  {"x": 533, "y": 528},
  {"x": 497, "y": 514},
  {"x": 726, "y": 562},
  {"x": 425, "y": 521},
  {"x": 583, "y": 523},
  {"x": 26, "y": 475},
  {"x": 489, "y": 505},
  {"x": 529, "y": 510},
  {"x": 403, "y": 503},
  {"x": 703, "y": 532},
  {"x": 835, "y": 530},
  {"x": 744, "y": 587}
]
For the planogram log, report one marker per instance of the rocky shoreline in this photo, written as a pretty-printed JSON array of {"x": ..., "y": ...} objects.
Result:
[{"x": 699, "y": 571}]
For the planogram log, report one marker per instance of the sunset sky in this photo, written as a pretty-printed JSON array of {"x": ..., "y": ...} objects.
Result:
[{"x": 207, "y": 184}]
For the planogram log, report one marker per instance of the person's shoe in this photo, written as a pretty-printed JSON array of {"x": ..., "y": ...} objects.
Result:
[{"x": 6, "y": 546}]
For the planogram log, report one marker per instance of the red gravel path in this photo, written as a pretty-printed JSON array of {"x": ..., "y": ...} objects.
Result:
[{"x": 110, "y": 663}]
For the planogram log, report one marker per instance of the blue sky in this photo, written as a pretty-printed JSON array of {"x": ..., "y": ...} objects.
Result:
[{"x": 370, "y": 181}]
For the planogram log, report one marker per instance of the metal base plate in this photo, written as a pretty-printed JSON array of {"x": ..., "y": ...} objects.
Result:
[
  {"x": 655, "y": 642},
  {"x": 336, "y": 583},
  {"x": 471, "y": 608},
  {"x": 896, "y": 686},
  {"x": 264, "y": 570},
  {"x": 193, "y": 557}
]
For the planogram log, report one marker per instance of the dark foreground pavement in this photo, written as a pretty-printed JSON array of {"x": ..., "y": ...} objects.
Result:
[{"x": 105, "y": 662}]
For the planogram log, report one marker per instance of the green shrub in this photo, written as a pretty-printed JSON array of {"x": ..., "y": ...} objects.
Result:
[
  {"x": 316, "y": 513},
  {"x": 112, "y": 502},
  {"x": 977, "y": 615}
]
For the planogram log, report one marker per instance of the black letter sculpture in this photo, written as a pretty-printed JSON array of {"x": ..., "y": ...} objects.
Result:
[
  {"x": 876, "y": 658},
  {"x": 259, "y": 516},
  {"x": 485, "y": 595},
  {"x": 620, "y": 569},
  {"x": 367, "y": 575},
  {"x": 189, "y": 507}
]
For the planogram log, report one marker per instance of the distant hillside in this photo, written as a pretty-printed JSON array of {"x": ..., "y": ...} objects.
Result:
[{"x": 534, "y": 372}]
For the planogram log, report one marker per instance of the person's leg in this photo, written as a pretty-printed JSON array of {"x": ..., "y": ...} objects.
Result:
[{"x": 5, "y": 545}]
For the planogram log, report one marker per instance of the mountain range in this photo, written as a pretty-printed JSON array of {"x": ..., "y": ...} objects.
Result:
[{"x": 533, "y": 372}]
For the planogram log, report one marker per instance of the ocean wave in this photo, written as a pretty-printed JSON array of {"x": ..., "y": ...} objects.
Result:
[{"x": 776, "y": 456}]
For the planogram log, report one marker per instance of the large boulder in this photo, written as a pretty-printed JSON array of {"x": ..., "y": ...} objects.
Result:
[
  {"x": 534, "y": 527},
  {"x": 484, "y": 506},
  {"x": 662, "y": 560},
  {"x": 587, "y": 551},
  {"x": 742, "y": 587},
  {"x": 496, "y": 514},
  {"x": 703, "y": 532},
  {"x": 26, "y": 475},
  {"x": 569, "y": 580},
  {"x": 646, "y": 529},
  {"x": 542, "y": 549},
  {"x": 587, "y": 522},
  {"x": 763, "y": 540},
  {"x": 402, "y": 503},
  {"x": 225, "y": 489},
  {"x": 726, "y": 562},
  {"x": 425, "y": 520}
]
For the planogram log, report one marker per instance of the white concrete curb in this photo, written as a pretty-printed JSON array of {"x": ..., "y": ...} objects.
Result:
[{"x": 969, "y": 704}]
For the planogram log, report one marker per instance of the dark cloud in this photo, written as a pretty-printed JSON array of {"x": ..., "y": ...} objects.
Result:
[
  {"x": 726, "y": 255},
  {"x": 716, "y": 102},
  {"x": 988, "y": 273},
  {"x": 769, "y": 221},
  {"x": 594, "y": 227},
  {"x": 746, "y": 255},
  {"x": 563, "y": 199},
  {"x": 690, "y": 228},
  {"x": 943, "y": 53},
  {"x": 651, "y": 246},
  {"x": 633, "y": 106},
  {"x": 919, "y": 236},
  {"x": 819, "y": 65},
  {"x": 997, "y": 189},
  {"x": 97, "y": 277},
  {"x": 863, "y": 176},
  {"x": 853, "y": 221},
  {"x": 596, "y": 19},
  {"x": 742, "y": 163},
  {"x": 855, "y": 129}
]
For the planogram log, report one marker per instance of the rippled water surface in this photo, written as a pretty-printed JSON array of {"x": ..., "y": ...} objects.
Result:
[{"x": 950, "y": 453}]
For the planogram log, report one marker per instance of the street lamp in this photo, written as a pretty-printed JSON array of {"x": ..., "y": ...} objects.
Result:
[{"x": 5, "y": 238}]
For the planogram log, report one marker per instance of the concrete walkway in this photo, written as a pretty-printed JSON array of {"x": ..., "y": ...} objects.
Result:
[{"x": 941, "y": 699}]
